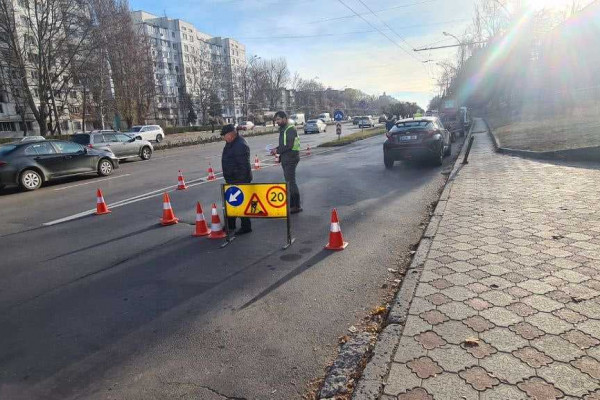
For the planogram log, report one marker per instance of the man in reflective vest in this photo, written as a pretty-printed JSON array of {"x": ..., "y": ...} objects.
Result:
[{"x": 289, "y": 153}]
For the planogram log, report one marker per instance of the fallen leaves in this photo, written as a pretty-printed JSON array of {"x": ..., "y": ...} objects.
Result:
[{"x": 471, "y": 342}]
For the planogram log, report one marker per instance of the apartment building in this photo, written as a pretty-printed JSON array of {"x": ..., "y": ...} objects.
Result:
[{"x": 187, "y": 60}]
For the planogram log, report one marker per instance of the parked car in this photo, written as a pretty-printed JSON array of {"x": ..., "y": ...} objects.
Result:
[
  {"x": 299, "y": 119},
  {"x": 32, "y": 138},
  {"x": 148, "y": 132},
  {"x": 122, "y": 145},
  {"x": 423, "y": 137},
  {"x": 30, "y": 164},
  {"x": 366, "y": 122},
  {"x": 315, "y": 126},
  {"x": 356, "y": 120},
  {"x": 245, "y": 126},
  {"x": 325, "y": 117}
]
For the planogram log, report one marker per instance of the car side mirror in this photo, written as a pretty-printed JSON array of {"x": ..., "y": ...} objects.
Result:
[{"x": 132, "y": 140}]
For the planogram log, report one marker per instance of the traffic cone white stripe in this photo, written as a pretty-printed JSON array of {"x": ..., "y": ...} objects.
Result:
[
  {"x": 335, "y": 227},
  {"x": 199, "y": 217},
  {"x": 166, "y": 206},
  {"x": 99, "y": 200}
]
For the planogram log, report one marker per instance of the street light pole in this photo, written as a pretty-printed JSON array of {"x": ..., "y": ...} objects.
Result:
[{"x": 462, "y": 50}]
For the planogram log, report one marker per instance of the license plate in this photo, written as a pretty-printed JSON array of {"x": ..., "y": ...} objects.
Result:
[{"x": 407, "y": 138}]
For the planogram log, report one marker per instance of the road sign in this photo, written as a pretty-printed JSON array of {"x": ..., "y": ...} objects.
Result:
[
  {"x": 234, "y": 196},
  {"x": 256, "y": 200},
  {"x": 338, "y": 129},
  {"x": 338, "y": 115}
]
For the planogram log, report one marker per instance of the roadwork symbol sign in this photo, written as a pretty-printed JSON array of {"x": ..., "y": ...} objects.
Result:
[
  {"x": 256, "y": 200},
  {"x": 255, "y": 208}
]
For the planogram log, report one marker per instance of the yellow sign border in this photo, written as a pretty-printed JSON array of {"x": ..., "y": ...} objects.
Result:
[{"x": 260, "y": 189}]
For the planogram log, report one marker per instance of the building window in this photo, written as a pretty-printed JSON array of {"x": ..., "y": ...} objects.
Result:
[{"x": 7, "y": 126}]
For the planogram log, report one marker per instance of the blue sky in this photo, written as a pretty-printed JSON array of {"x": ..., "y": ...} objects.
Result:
[{"x": 341, "y": 52}]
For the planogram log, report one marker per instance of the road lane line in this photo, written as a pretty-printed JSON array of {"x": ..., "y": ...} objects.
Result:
[
  {"x": 92, "y": 182},
  {"x": 156, "y": 193}
]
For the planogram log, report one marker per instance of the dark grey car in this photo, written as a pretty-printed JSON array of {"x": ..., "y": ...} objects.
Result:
[
  {"x": 30, "y": 164},
  {"x": 122, "y": 145}
]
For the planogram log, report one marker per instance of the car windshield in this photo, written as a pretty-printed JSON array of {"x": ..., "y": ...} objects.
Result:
[
  {"x": 81, "y": 139},
  {"x": 135, "y": 129},
  {"x": 311, "y": 121},
  {"x": 6, "y": 149},
  {"x": 405, "y": 126}
]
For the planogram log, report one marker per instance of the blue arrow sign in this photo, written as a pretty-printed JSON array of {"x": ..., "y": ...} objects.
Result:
[
  {"x": 234, "y": 196},
  {"x": 338, "y": 115}
]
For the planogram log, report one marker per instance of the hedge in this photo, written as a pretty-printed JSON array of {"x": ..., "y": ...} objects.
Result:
[{"x": 169, "y": 130}]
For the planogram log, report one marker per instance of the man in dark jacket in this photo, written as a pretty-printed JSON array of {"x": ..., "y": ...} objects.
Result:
[
  {"x": 289, "y": 153},
  {"x": 236, "y": 168}
]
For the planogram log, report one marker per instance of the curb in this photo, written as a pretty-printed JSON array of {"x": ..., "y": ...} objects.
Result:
[
  {"x": 371, "y": 383},
  {"x": 581, "y": 154}
]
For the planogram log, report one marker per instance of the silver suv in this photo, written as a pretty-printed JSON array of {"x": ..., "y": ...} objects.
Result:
[{"x": 121, "y": 144}]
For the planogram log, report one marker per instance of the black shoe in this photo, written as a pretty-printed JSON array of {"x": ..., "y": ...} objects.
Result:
[
  {"x": 295, "y": 210},
  {"x": 242, "y": 231}
]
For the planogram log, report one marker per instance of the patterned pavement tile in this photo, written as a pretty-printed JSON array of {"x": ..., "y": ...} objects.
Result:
[
  {"x": 454, "y": 332},
  {"x": 498, "y": 298},
  {"x": 526, "y": 330},
  {"x": 449, "y": 386},
  {"x": 430, "y": 340},
  {"x": 433, "y": 317},
  {"x": 522, "y": 309},
  {"x": 537, "y": 388},
  {"x": 415, "y": 394},
  {"x": 503, "y": 392},
  {"x": 591, "y": 327},
  {"x": 409, "y": 349},
  {"x": 400, "y": 378},
  {"x": 507, "y": 368},
  {"x": 557, "y": 348},
  {"x": 478, "y": 378},
  {"x": 589, "y": 308},
  {"x": 588, "y": 365},
  {"x": 542, "y": 303},
  {"x": 549, "y": 323},
  {"x": 415, "y": 325},
  {"x": 452, "y": 358},
  {"x": 478, "y": 323},
  {"x": 424, "y": 367},
  {"x": 503, "y": 339},
  {"x": 569, "y": 315},
  {"x": 580, "y": 339},
  {"x": 420, "y": 305},
  {"x": 500, "y": 316},
  {"x": 533, "y": 357},
  {"x": 536, "y": 286},
  {"x": 568, "y": 379}
]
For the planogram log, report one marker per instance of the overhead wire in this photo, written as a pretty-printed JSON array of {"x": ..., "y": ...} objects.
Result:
[{"x": 380, "y": 31}]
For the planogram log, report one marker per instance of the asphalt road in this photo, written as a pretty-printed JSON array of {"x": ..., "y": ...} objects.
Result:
[{"x": 119, "y": 307}]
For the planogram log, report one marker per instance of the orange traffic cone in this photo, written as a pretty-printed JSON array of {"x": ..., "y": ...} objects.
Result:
[
  {"x": 308, "y": 150},
  {"x": 101, "y": 207},
  {"x": 256, "y": 163},
  {"x": 336, "y": 240},
  {"x": 211, "y": 173},
  {"x": 180, "y": 182},
  {"x": 168, "y": 217},
  {"x": 201, "y": 228},
  {"x": 217, "y": 231}
]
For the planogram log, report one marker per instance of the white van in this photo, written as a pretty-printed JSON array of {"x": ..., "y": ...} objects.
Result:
[
  {"x": 299, "y": 119},
  {"x": 325, "y": 117}
]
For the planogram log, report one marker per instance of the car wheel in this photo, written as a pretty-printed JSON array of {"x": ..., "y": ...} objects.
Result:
[
  {"x": 30, "y": 180},
  {"x": 159, "y": 138},
  {"x": 388, "y": 161},
  {"x": 146, "y": 153},
  {"x": 439, "y": 159},
  {"x": 448, "y": 150},
  {"x": 105, "y": 167}
]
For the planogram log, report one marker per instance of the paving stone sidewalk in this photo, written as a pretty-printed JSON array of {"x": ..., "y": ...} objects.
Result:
[{"x": 515, "y": 269}]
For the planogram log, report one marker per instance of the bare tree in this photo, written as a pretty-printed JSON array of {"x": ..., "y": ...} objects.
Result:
[
  {"x": 277, "y": 75},
  {"x": 44, "y": 44}
]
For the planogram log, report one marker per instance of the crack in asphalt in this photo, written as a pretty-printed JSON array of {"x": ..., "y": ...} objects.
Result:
[{"x": 207, "y": 388}]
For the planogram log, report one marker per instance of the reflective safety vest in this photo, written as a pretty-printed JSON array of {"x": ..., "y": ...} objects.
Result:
[{"x": 296, "y": 141}]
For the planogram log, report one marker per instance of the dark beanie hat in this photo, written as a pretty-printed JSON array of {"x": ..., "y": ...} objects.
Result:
[{"x": 227, "y": 128}]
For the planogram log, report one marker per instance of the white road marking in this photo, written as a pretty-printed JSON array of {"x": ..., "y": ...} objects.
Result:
[{"x": 91, "y": 182}]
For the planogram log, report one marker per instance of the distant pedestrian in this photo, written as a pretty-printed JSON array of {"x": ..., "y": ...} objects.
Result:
[
  {"x": 289, "y": 153},
  {"x": 236, "y": 169}
]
